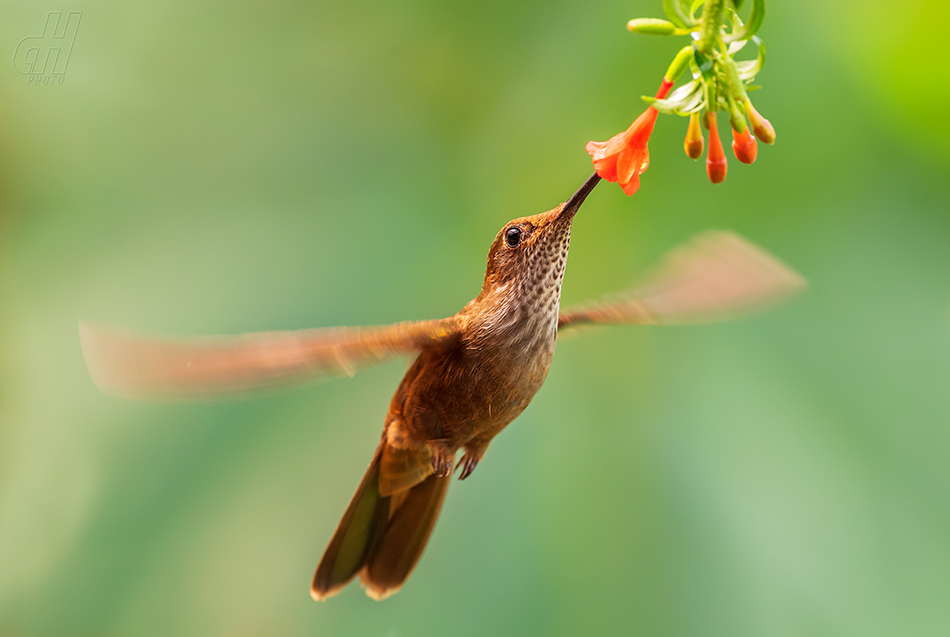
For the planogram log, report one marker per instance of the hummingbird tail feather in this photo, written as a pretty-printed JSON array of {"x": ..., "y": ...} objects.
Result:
[
  {"x": 405, "y": 538},
  {"x": 380, "y": 537},
  {"x": 357, "y": 533}
]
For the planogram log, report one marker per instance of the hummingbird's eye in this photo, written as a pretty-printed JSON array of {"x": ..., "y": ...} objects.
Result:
[{"x": 513, "y": 236}]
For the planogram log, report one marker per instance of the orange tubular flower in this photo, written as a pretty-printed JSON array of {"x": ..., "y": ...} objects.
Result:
[
  {"x": 744, "y": 146},
  {"x": 694, "y": 138},
  {"x": 716, "y": 157},
  {"x": 760, "y": 126},
  {"x": 624, "y": 157}
]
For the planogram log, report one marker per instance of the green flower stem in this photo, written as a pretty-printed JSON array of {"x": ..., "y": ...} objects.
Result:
[
  {"x": 712, "y": 99},
  {"x": 735, "y": 85},
  {"x": 736, "y": 116},
  {"x": 711, "y": 32}
]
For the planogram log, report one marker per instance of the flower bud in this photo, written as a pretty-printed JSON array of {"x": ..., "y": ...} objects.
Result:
[
  {"x": 744, "y": 146},
  {"x": 716, "y": 157},
  {"x": 679, "y": 64},
  {"x": 760, "y": 126},
  {"x": 694, "y": 138},
  {"x": 651, "y": 26}
]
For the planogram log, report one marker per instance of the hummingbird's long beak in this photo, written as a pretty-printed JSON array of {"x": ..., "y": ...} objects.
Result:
[{"x": 574, "y": 203}]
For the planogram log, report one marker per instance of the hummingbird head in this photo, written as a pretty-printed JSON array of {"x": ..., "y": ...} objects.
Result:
[
  {"x": 527, "y": 259},
  {"x": 529, "y": 254}
]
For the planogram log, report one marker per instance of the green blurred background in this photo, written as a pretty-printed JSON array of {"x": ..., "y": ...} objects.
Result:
[{"x": 222, "y": 168}]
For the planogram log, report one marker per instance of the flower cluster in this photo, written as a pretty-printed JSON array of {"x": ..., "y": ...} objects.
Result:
[{"x": 718, "y": 83}]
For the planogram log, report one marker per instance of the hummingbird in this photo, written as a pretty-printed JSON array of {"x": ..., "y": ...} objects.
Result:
[{"x": 473, "y": 372}]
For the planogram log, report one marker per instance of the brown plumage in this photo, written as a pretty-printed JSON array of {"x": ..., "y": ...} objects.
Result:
[{"x": 475, "y": 372}]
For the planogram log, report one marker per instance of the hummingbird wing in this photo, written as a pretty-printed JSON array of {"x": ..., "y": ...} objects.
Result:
[
  {"x": 716, "y": 276},
  {"x": 197, "y": 368}
]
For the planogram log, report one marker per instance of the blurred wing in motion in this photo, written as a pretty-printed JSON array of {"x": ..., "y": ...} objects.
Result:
[
  {"x": 197, "y": 368},
  {"x": 714, "y": 277}
]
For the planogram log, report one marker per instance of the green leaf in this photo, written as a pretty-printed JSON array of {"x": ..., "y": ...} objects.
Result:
[
  {"x": 735, "y": 47},
  {"x": 704, "y": 64},
  {"x": 748, "y": 69},
  {"x": 675, "y": 11},
  {"x": 684, "y": 91},
  {"x": 683, "y": 101},
  {"x": 696, "y": 4},
  {"x": 751, "y": 27}
]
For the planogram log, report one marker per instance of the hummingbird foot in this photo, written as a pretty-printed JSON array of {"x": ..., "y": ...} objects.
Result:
[
  {"x": 469, "y": 461},
  {"x": 441, "y": 461}
]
